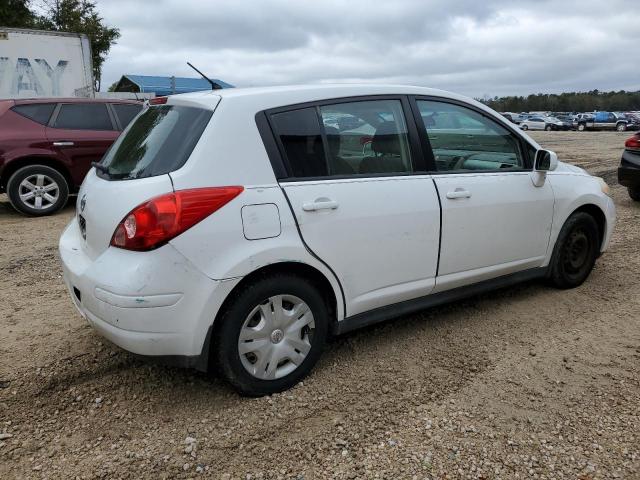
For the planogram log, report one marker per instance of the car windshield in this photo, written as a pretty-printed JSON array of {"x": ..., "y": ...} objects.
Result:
[{"x": 157, "y": 142}]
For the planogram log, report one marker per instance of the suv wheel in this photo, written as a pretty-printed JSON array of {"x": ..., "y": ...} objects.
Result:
[
  {"x": 548, "y": 128},
  {"x": 634, "y": 193},
  {"x": 272, "y": 334},
  {"x": 621, "y": 127},
  {"x": 37, "y": 190},
  {"x": 581, "y": 127},
  {"x": 575, "y": 252}
]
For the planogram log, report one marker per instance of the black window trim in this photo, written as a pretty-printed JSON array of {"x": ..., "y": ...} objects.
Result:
[
  {"x": 275, "y": 149},
  {"x": 115, "y": 118},
  {"x": 56, "y": 111},
  {"x": 426, "y": 145}
]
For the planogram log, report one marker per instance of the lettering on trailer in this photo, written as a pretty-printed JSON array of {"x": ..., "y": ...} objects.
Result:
[{"x": 30, "y": 80}]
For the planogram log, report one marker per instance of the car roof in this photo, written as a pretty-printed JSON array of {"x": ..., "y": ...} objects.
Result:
[
  {"x": 272, "y": 97},
  {"x": 22, "y": 101}
]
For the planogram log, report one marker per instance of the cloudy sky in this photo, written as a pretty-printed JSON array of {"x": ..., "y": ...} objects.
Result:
[{"x": 475, "y": 47}]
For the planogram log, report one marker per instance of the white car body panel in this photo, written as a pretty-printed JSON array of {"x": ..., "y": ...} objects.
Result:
[
  {"x": 379, "y": 247},
  {"x": 505, "y": 219}
]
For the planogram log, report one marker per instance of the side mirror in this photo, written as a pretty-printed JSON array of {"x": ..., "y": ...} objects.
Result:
[{"x": 545, "y": 161}]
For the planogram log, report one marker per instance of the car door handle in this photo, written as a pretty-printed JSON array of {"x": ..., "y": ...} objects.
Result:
[
  {"x": 320, "y": 204},
  {"x": 459, "y": 193},
  {"x": 63, "y": 144}
]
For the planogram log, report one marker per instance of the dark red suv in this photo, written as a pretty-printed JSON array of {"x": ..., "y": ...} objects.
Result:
[{"x": 47, "y": 146}]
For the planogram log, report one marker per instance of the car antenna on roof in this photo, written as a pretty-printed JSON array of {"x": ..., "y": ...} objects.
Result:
[{"x": 214, "y": 85}]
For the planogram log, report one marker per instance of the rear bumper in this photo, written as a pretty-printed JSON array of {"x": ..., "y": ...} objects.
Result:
[
  {"x": 629, "y": 170},
  {"x": 150, "y": 303}
]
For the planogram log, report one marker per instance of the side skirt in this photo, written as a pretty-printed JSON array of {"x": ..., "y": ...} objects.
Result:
[{"x": 382, "y": 314}]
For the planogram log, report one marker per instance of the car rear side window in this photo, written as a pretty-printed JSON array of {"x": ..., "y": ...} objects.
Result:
[
  {"x": 301, "y": 138},
  {"x": 38, "y": 112},
  {"x": 126, "y": 112},
  {"x": 343, "y": 139},
  {"x": 157, "y": 142},
  {"x": 83, "y": 116}
]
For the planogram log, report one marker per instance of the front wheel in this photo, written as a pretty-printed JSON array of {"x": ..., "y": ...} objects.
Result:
[
  {"x": 634, "y": 193},
  {"x": 37, "y": 190},
  {"x": 621, "y": 127},
  {"x": 525, "y": 127},
  {"x": 575, "y": 252},
  {"x": 548, "y": 128},
  {"x": 581, "y": 127},
  {"x": 272, "y": 334}
]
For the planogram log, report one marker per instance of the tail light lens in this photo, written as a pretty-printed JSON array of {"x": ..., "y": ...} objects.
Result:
[
  {"x": 633, "y": 143},
  {"x": 158, "y": 101},
  {"x": 155, "y": 222}
]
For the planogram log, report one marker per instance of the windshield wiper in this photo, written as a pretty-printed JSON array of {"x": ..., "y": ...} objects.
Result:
[{"x": 99, "y": 166}]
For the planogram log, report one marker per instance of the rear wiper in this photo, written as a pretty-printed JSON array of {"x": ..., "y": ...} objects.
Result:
[{"x": 99, "y": 166}]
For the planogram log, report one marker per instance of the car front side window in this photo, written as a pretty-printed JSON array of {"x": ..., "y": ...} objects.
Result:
[{"x": 470, "y": 142}]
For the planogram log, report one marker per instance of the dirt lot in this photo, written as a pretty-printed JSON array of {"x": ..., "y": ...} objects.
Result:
[{"x": 527, "y": 382}]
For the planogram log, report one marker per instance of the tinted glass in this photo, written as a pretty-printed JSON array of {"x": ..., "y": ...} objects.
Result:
[
  {"x": 464, "y": 140},
  {"x": 301, "y": 138},
  {"x": 368, "y": 137},
  {"x": 126, "y": 112},
  {"x": 84, "y": 116},
  {"x": 157, "y": 142},
  {"x": 38, "y": 112}
]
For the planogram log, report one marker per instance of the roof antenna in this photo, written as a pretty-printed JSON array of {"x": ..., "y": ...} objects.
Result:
[{"x": 214, "y": 85}]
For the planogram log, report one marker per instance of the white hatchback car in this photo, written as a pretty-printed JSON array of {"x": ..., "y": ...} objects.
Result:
[{"x": 242, "y": 227}]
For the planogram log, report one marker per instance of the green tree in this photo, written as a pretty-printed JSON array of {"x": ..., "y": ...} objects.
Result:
[
  {"x": 81, "y": 16},
  {"x": 16, "y": 13}
]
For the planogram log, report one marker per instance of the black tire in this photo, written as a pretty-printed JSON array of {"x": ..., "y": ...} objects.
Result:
[
  {"x": 525, "y": 127},
  {"x": 581, "y": 127},
  {"x": 634, "y": 193},
  {"x": 621, "y": 127},
  {"x": 226, "y": 351},
  {"x": 575, "y": 251},
  {"x": 548, "y": 128},
  {"x": 52, "y": 178}
]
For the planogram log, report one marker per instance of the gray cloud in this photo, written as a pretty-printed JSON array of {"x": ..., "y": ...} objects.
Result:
[{"x": 475, "y": 47}]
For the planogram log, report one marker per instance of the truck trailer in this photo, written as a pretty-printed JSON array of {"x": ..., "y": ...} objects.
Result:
[{"x": 39, "y": 63}]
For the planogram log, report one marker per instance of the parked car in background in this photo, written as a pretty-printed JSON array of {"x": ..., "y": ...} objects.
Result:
[
  {"x": 512, "y": 117},
  {"x": 47, "y": 146},
  {"x": 249, "y": 228},
  {"x": 602, "y": 121},
  {"x": 544, "y": 123},
  {"x": 629, "y": 169}
]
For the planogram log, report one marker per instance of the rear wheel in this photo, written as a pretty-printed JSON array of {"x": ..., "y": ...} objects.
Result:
[
  {"x": 634, "y": 193},
  {"x": 37, "y": 190},
  {"x": 621, "y": 127},
  {"x": 548, "y": 128},
  {"x": 575, "y": 252},
  {"x": 272, "y": 334},
  {"x": 581, "y": 127},
  {"x": 525, "y": 127}
]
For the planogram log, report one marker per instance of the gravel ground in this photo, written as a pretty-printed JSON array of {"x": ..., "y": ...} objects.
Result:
[{"x": 526, "y": 382}]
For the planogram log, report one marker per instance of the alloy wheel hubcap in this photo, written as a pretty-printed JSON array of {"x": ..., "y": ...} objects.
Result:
[
  {"x": 276, "y": 337},
  {"x": 39, "y": 191}
]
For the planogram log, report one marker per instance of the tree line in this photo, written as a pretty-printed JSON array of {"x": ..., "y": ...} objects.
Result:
[
  {"x": 77, "y": 16},
  {"x": 619, "y": 101}
]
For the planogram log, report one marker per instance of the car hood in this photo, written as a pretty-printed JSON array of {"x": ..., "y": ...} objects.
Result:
[{"x": 567, "y": 168}]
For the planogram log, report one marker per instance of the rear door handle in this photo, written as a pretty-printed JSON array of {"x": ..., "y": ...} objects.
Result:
[
  {"x": 63, "y": 144},
  {"x": 459, "y": 193},
  {"x": 320, "y": 204}
]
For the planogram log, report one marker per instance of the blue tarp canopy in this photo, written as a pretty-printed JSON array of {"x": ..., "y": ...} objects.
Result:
[{"x": 162, "y": 86}]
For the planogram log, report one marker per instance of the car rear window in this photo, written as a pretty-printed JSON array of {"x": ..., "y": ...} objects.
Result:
[
  {"x": 157, "y": 142},
  {"x": 38, "y": 112},
  {"x": 126, "y": 112}
]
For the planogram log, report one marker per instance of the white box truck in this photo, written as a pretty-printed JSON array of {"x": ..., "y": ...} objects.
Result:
[{"x": 38, "y": 63}]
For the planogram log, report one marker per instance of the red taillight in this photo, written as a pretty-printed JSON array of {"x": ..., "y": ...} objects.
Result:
[
  {"x": 158, "y": 101},
  {"x": 162, "y": 218},
  {"x": 633, "y": 143}
]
